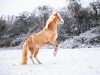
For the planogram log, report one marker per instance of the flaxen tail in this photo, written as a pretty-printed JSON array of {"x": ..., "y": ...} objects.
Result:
[{"x": 24, "y": 54}]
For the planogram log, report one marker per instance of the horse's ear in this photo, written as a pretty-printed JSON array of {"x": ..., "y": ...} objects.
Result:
[{"x": 55, "y": 13}]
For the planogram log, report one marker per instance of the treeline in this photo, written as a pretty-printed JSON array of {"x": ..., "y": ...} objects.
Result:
[{"x": 76, "y": 21}]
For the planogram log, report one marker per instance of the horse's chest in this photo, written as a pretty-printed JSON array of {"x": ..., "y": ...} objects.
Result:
[{"x": 55, "y": 35}]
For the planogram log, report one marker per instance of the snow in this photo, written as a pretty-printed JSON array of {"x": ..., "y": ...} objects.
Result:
[{"x": 84, "y": 61}]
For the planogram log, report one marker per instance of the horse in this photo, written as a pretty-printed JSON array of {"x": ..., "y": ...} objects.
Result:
[{"x": 48, "y": 35}]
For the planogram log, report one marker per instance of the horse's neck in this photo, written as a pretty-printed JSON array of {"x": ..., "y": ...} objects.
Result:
[{"x": 52, "y": 26}]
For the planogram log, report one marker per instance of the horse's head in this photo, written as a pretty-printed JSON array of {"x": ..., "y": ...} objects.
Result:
[
  {"x": 54, "y": 18},
  {"x": 58, "y": 18}
]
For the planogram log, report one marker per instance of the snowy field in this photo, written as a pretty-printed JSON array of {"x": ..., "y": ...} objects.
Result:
[{"x": 67, "y": 62}]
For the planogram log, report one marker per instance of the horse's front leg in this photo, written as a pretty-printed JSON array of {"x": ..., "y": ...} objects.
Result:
[{"x": 56, "y": 45}]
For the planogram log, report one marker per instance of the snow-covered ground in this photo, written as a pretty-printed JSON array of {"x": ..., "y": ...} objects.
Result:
[{"x": 67, "y": 62}]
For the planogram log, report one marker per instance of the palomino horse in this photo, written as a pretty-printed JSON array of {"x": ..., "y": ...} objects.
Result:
[{"x": 47, "y": 36}]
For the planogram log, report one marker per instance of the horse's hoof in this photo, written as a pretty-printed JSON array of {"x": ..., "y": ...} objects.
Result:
[{"x": 40, "y": 63}]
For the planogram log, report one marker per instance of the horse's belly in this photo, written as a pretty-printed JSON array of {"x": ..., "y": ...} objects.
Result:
[{"x": 41, "y": 44}]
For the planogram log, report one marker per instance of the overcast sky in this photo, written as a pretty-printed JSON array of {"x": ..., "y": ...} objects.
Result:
[{"x": 14, "y": 7}]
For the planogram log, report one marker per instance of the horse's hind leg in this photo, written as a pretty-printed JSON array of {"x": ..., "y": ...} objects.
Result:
[
  {"x": 37, "y": 60},
  {"x": 32, "y": 54},
  {"x": 32, "y": 58},
  {"x": 35, "y": 55}
]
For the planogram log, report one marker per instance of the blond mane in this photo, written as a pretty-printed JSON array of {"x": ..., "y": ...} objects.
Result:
[{"x": 51, "y": 18}]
